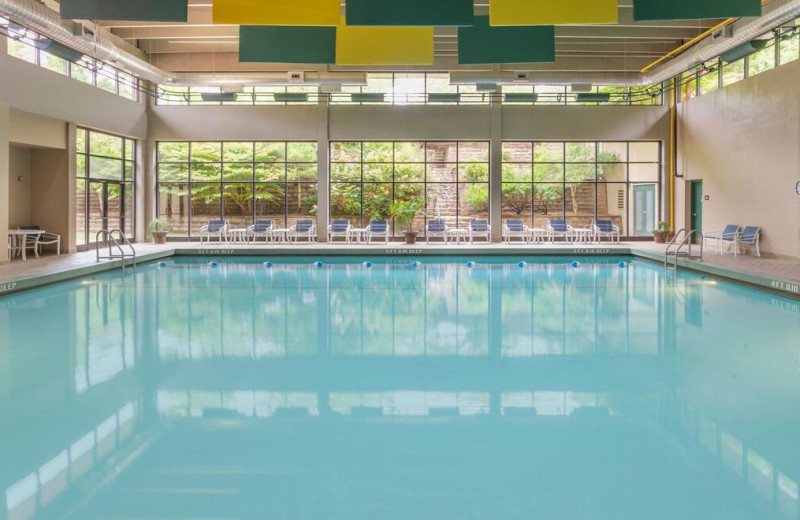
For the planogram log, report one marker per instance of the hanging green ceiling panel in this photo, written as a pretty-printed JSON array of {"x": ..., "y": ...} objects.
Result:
[
  {"x": 285, "y": 44},
  {"x": 655, "y": 10},
  {"x": 482, "y": 44},
  {"x": 410, "y": 12},
  {"x": 127, "y": 10}
]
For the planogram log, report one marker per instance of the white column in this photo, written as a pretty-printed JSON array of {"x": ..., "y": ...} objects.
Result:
[
  {"x": 69, "y": 242},
  {"x": 496, "y": 169},
  {"x": 146, "y": 189},
  {"x": 323, "y": 172},
  {"x": 4, "y": 180}
]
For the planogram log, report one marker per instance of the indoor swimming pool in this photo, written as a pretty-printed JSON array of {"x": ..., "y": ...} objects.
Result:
[{"x": 399, "y": 388}]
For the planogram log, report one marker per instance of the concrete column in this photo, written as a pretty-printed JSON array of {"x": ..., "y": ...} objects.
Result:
[
  {"x": 146, "y": 188},
  {"x": 69, "y": 242},
  {"x": 4, "y": 180},
  {"x": 496, "y": 169},
  {"x": 323, "y": 172}
]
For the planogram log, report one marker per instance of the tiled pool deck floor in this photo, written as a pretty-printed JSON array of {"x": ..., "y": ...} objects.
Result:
[{"x": 782, "y": 275}]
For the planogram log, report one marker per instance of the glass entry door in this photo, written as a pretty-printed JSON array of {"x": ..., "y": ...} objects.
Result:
[
  {"x": 106, "y": 208},
  {"x": 644, "y": 209}
]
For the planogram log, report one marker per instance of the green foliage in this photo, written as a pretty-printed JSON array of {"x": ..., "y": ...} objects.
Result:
[
  {"x": 663, "y": 226},
  {"x": 517, "y": 196},
  {"x": 158, "y": 226},
  {"x": 405, "y": 212},
  {"x": 477, "y": 196}
]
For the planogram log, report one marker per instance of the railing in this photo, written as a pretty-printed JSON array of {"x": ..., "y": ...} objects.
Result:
[
  {"x": 683, "y": 238},
  {"x": 109, "y": 238}
]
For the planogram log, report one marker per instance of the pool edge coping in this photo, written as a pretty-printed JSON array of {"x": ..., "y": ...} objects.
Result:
[{"x": 783, "y": 287}]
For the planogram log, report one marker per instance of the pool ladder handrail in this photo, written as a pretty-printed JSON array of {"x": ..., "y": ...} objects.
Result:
[
  {"x": 686, "y": 237},
  {"x": 109, "y": 237}
]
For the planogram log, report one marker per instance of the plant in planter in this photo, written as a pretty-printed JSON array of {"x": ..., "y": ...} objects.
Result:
[
  {"x": 158, "y": 229},
  {"x": 404, "y": 214},
  {"x": 661, "y": 233}
]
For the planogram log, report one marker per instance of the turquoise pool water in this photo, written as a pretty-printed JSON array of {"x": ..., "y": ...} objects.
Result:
[{"x": 442, "y": 391}]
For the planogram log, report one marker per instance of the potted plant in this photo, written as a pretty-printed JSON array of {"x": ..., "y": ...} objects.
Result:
[
  {"x": 661, "y": 233},
  {"x": 158, "y": 229},
  {"x": 404, "y": 214}
]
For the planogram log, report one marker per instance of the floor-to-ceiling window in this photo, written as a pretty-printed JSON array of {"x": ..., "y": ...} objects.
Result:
[
  {"x": 450, "y": 179},
  {"x": 583, "y": 181},
  {"x": 105, "y": 169},
  {"x": 236, "y": 181}
]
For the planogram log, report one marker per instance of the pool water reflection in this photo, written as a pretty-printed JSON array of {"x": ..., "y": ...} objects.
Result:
[{"x": 341, "y": 392}]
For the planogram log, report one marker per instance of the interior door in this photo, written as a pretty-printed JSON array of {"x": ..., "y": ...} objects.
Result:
[
  {"x": 697, "y": 206},
  {"x": 644, "y": 209}
]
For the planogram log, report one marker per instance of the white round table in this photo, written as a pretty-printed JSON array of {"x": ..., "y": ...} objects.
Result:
[{"x": 19, "y": 239}]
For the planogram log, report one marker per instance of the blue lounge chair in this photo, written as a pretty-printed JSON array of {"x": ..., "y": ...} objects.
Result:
[
  {"x": 605, "y": 228},
  {"x": 724, "y": 238},
  {"x": 378, "y": 228},
  {"x": 304, "y": 228},
  {"x": 262, "y": 229},
  {"x": 436, "y": 228},
  {"x": 480, "y": 228},
  {"x": 339, "y": 228},
  {"x": 750, "y": 237},
  {"x": 214, "y": 228},
  {"x": 559, "y": 228},
  {"x": 515, "y": 228}
]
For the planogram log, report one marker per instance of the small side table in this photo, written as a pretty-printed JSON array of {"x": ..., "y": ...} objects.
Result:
[
  {"x": 238, "y": 235},
  {"x": 457, "y": 235},
  {"x": 537, "y": 235},
  {"x": 358, "y": 235},
  {"x": 280, "y": 235},
  {"x": 584, "y": 235}
]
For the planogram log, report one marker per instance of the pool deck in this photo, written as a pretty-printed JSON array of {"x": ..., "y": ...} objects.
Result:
[{"x": 777, "y": 275}]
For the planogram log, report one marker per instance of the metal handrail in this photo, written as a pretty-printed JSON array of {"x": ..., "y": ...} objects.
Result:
[
  {"x": 108, "y": 236},
  {"x": 687, "y": 238}
]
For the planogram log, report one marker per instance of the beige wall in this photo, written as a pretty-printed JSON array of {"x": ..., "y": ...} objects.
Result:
[
  {"x": 4, "y": 152},
  {"x": 38, "y": 91},
  {"x": 406, "y": 122},
  {"x": 31, "y": 130},
  {"x": 50, "y": 192},
  {"x": 19, "y": 187},
  {"x": 743, "y": 142}
]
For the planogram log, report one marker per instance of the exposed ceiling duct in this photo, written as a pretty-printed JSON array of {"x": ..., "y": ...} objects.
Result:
[
  {"x": 48, "y": 23},
  {"x": 776, "y": 13}
]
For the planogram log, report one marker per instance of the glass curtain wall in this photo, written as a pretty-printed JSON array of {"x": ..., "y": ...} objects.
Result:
[
  {"x": 236, "y": 181},
  {"x": 581, "y": 182},
  {"x": 451, "y": 180},
  {"x": 105, "y": 169}
]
